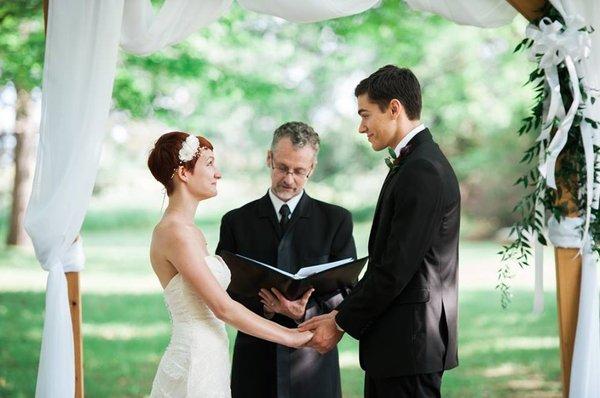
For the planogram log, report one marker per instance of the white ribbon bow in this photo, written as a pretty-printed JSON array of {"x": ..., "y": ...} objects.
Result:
[
  {"x": 555, "y": 41},
  {"x": 555, "y": 44},
  {"x": 559, "y": 44}
]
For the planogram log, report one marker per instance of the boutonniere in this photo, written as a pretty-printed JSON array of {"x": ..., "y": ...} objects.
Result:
[{"x": 392, "y": 160}]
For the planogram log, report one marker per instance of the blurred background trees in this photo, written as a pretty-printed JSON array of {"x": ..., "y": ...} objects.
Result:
[
  {"x": 240, "y": 78},
  {"x": 21, "y": 60}
]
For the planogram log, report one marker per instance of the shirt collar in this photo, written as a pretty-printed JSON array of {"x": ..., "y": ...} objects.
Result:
[
  {"x": 408, "y": 137},
  {"x": 277, "y": 203}
]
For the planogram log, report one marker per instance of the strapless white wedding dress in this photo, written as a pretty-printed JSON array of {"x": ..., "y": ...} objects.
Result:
[{"x": 196, "y": 362}]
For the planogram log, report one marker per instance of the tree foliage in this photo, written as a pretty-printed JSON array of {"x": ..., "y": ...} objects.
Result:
[{"x": 239, "y": 78}]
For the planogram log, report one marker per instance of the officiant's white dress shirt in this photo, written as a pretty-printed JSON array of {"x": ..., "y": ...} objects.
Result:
[
  {"x": 408, "y": 137},
  {"x": 277, "y": 203}
]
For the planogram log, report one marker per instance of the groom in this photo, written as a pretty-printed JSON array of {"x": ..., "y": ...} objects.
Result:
[{"x": 404, "y": 310}]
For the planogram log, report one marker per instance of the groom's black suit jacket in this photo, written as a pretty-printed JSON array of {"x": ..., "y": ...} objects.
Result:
[
  {"x": 404, "y": 309},
  {"x": 317, "y": 232}
]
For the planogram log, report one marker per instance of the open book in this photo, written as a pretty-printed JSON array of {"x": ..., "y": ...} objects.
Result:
[{"x": 248, "y": 276}]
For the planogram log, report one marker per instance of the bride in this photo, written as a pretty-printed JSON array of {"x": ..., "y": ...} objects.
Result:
[{"x": 196, "y": 362}]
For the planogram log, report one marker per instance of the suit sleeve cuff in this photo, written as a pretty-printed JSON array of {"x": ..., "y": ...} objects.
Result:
[{"x": 344, "y": 322}]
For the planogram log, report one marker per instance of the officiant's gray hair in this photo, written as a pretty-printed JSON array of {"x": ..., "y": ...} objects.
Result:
[{"x": 301, "y": 134}]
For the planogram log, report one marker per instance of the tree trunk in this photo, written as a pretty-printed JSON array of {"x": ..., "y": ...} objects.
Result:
[{"x": 24, "y": 151}]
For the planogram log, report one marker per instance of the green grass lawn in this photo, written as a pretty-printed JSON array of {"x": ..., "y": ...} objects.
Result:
[{"x": 503, "y": 353}]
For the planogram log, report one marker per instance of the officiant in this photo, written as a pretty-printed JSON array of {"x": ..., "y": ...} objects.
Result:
[{"x": 291, "y": 230}]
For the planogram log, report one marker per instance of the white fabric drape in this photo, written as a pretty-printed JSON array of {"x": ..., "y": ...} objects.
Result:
[
  {"x": 308, "y": 10},
  {"x": 145, "y": 32},
  {"x": 585, "y": 368},
  {"x": 79, "y": 68},
  {"x": 482, "y": 13}
]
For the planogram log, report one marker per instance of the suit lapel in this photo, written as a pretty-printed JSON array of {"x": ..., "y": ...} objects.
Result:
[
  {"x": 420, "y": 138},
  {"x": 375, "y": 223},
  {"x": 302, "y": 210},
  {"x": 266, "y": 210}
]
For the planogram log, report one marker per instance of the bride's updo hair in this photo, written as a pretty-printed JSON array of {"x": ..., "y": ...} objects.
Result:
[{"x": 163, "y": 160}]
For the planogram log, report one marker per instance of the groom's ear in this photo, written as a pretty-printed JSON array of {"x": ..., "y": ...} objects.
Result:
[{"x": 395, "y": 108}]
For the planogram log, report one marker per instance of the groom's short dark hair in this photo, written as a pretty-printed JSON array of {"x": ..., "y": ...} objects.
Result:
[{"x": 391, "y": 82}]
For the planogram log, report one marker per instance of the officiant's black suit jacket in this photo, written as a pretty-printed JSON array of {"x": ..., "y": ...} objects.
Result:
[
  {"x": 317, "y": 232},
  {"x": 404, "y": 309}
]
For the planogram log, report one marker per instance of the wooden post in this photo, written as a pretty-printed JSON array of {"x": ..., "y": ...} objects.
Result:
[
  {"x": 568, "y": 261},
  {"x": 568, "y": 284},
  {"x": 74, "y": 298},
  {"x": 530, "y": 9},
  {"x": 75, "y": 307}
]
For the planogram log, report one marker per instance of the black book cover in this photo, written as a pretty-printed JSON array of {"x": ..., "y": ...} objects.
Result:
[{"x": 248, "y": 276}]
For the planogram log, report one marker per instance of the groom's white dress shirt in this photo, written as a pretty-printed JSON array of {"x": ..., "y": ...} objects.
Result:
[
  {"x": 404, "y": 141},
  {"x": 277, "y": 203}
]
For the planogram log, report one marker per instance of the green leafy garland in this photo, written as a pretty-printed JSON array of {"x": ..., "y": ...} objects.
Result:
[{"x": 570, "y": 175}]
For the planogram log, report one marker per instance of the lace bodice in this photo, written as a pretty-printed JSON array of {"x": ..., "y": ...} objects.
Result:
[{"x": 183, "y": 303}]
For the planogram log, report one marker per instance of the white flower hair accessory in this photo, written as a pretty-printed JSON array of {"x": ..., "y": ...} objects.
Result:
[{"x": 189, "y": 149}]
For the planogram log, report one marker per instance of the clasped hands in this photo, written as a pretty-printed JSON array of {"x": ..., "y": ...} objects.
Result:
[{"x": 325, "y": 332}]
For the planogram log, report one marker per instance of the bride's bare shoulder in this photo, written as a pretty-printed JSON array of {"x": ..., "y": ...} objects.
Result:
[{"x": 168, "y": 231}]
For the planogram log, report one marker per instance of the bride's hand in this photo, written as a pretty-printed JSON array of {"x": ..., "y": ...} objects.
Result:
[{"x": 297, "y": 339}]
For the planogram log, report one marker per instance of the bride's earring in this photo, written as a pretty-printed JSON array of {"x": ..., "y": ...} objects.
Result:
[{"x": 163, "y": 200}]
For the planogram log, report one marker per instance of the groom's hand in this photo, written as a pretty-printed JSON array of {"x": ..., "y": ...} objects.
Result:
[
  {"x": 326, "y": 333},
  {"x": 274, "y": 301}
]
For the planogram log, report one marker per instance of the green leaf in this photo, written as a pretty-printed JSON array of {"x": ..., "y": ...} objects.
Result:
[{"x": 392, "y": 153}]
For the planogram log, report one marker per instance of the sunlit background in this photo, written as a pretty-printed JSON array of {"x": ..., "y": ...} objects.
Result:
[{"x": 235, "y": 82}]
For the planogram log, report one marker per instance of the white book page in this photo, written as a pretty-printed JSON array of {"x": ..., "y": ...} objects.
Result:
[
  {"x": 308, "y": 271},
  {"x": 270, "y": 266}
]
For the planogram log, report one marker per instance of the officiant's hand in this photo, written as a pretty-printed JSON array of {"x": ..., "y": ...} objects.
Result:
[
  {"x": 326, "y": 334},
  {"x": 274, "y": 301}
]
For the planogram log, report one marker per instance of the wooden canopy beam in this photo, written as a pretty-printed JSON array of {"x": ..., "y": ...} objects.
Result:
[{"x": 530, "y": 9}]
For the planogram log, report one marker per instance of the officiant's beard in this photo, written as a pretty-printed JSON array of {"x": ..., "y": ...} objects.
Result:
[{"x": 286, "y": 192}]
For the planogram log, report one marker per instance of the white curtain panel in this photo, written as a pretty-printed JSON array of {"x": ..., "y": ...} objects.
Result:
[
  {"x": 79, "y": 68},
  {"x": 585, "y": 368},
  {"x": 308, "y": 10},
  {"x": 482, "y": 13}
]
